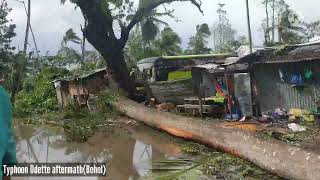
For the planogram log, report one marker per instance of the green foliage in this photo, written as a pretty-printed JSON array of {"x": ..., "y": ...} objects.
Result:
[
  {"x": 6, "y": 31},
  {"x": 82, "y": 124},
  {"x": 6, "y": 34},
  {"x": 289, "y": 27},
  {"x": 74, "y": 111},
  {"x": 79, "y": 129},
  {"x": 66, "y": 56},
  {"x": 198, "y": 43},
  {"x": 70, "y": 36},
  {"x": 39, "y": 96},
  {"x": 178, "y": 75},
  {"x": 136, "y": 49},
  {"x": 104, "y": 101},
  {"x": 312, "y": 29},
  {"x": 168, "y": 43}
]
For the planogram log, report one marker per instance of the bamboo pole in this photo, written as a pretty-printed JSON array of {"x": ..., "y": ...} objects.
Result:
[{"x": 278, "y": 158}]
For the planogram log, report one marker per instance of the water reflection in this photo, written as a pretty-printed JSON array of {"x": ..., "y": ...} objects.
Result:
[{"x": 128, "y": 152}]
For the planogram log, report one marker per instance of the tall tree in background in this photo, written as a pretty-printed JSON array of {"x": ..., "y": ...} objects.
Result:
[
  {"x": 70, "y": 36},
  {"x": 198, "y": 43},
  {"x": 102, "y": 15},
  {"x": 273, "y": 19},
  {"x": 266, "y": 26},
  {"x": 136, "y": 50},
  {"x": 224, "y": 36},
  {"x": 284, "y": 20},
  {"x": 6, "y": 33},
  {"x": 149, "y": 24},
  {"x": 222, "y": 21},
  {"x": 289, "y": 24},
  {"x": 168, "y": 43},
  {"x": 12, "y": 67},
  {"x": 311, "y": 30}
]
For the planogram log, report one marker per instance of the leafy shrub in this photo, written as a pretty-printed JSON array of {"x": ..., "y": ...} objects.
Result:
[
  {"x": 39, "y": 96},
  {"x": 104, "y": 101},
  {"x": 73, "y": 110}
]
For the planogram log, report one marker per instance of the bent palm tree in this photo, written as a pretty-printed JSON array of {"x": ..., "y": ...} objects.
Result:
[{"x": 70, "y": 36}]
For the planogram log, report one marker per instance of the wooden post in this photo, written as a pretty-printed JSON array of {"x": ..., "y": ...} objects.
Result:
[
  {"x": 27, "y": 28},
  {"x": 249, "y": 26},
  {"x": 200, "y": 96},
  {"x": 228, "y": 96}
]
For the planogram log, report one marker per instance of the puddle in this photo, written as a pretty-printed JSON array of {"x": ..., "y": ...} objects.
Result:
[{"x": 128, "y": 152}]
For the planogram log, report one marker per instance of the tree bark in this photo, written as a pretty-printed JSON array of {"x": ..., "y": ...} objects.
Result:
[
  {"x": 120, "y": 73},
  {"x": 100, "y": 33},
  {"x": 83, "y": 44},
  {"x": 284, "y": 160}
]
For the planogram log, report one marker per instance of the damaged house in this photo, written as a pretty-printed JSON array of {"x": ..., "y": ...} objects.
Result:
[
  {"x": 285, "y": 78},
  {"x": 80, "y": 89},
  {"x": 228, "y": 81},
  {"x": 270, "y": 78}
]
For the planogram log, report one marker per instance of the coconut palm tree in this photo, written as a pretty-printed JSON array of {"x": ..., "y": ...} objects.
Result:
[
  {"x": 70, "y": 36},
  {"x": 150, "y": 24}
]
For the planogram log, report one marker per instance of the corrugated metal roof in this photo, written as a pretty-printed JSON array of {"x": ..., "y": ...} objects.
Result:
[
  {"x": 149, "y": 60},
  {"x": 288, "y": 54},
  {"x": 231, "y": 60},
  {"x": 207, "y": 66},
  {"x": 184, "y": 57},
  {"x": 81, "y": 76},
  {"x": 91, "y": 73}
]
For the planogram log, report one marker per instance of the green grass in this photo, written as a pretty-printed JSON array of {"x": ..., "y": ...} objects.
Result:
[{"x": 178, "y": 75}]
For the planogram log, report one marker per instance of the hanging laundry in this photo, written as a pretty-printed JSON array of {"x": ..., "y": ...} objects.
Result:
[
  {"x": 281, "y": 75},
  {"x": 296, "y": 79},
  {"x": 308, "y": 73}
]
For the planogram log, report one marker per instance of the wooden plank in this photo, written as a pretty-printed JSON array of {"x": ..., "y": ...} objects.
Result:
[
  {"x": 174, "y": 92},
  {"x": 191, "y": 106}
]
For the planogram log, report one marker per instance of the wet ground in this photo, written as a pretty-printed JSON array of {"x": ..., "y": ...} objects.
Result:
[{"x": 130, "y": 152}]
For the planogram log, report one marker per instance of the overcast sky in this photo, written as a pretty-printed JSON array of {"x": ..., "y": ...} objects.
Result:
[{"x": 50, "y": 19}]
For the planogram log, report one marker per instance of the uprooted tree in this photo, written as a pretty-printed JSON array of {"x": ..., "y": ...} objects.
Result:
[{"x": 104, "y": 17}]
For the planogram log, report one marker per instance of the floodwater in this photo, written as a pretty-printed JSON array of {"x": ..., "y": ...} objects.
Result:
[{"x": 129, "y": 152}]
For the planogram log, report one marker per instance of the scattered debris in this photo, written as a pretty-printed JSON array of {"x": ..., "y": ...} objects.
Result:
[
  {"x": 300, "y": 114},
  {"x": 296, "y": 127},
  {"x": 279, "y": 114},
  {"x": 247, "y": 126},
  {"x": 264, "y": 119},
  {"x": 166, "y": 107}
]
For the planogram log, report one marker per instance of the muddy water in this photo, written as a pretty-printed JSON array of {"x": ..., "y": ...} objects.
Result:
[{"x": 128, "y": 151}]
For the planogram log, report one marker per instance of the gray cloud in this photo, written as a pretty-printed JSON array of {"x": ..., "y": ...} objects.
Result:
[{"x": 50, "y": 19}]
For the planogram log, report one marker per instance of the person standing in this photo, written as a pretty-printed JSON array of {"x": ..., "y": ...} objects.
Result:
[{"x": 7, "y": 141}]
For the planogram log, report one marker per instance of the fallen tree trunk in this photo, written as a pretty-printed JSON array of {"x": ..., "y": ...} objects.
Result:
[{"x": 279, "y": 158}]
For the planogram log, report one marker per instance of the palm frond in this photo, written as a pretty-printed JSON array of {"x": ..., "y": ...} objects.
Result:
[{"x": 70, "y": 36}]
